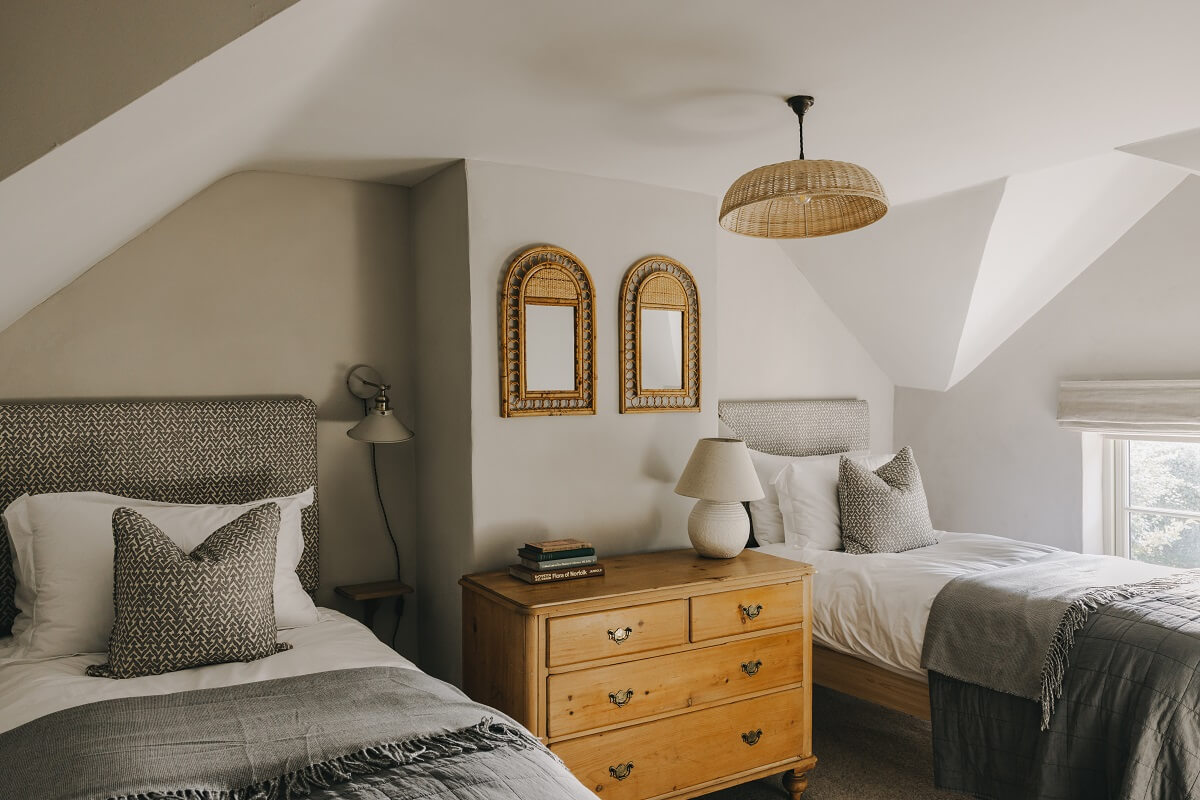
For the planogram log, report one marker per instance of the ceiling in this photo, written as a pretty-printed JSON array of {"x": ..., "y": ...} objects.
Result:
[{"x": 935, "y": 97}]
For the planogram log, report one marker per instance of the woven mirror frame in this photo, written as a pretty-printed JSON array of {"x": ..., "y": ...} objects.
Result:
[
  {"x": 553, "y": 277},
  {"x": 658, "y": 282}
]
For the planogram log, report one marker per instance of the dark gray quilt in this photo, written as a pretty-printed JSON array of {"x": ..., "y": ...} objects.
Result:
[
  {"x": 378, "y": 732},
  {"x": 1127, "y": 726}
]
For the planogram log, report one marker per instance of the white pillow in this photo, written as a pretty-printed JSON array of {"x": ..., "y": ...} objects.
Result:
[
  {"x": 808, "y": 500},
  {"x": 20, "y": 539},
  {"x": 70, "y": 564},
  {"x": 765, "y": 517}
]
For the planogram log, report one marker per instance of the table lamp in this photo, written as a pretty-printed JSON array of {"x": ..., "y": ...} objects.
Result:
[{"x": 721, "y": 475}]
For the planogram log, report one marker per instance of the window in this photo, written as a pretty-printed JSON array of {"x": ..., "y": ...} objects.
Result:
[{"x": 1155, "y": 485}]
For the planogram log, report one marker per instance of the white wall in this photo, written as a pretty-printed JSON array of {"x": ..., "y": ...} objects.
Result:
[
  {"x": 261, "y": 285},
  {"x": 991, "y": 455},
  {"x": 779, "y": 340},
  {"x": 609, "y": 477}
]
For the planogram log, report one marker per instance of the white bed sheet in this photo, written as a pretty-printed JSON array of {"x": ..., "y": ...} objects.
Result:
[
  {"x": 876, "y": 606},
  {"x": 30, "y": 689}
]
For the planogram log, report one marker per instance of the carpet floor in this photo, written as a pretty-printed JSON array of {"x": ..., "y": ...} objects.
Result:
[{"x": 864, "y": 752}]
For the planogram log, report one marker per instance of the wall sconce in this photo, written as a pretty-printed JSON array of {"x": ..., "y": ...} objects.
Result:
[{"x": 380, "y": 425}]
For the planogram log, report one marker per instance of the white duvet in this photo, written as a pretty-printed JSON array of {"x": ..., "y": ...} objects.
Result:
[
  {"x": 33, "y": 688},
  {"x": 876, "y": 606}
]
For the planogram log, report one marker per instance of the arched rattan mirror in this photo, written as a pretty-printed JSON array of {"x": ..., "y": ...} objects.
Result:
[
  {"x": 660, "y": 337},
  {"x": 547, "y": 336}
]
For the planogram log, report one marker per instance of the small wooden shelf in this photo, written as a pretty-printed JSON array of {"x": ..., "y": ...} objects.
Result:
[{"x": 369, "y": 594}]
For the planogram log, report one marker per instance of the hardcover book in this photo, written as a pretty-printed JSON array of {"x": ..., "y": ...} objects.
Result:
[
  {"x": 558, "y": 563},
  {"x": 556, "y": 545},
  {"x": 536, "y": 555},
  {"x": 548, "y": 576}
]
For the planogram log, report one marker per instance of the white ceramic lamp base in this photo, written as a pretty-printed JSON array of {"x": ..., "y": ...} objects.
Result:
[{"x": 718, "y": 530}]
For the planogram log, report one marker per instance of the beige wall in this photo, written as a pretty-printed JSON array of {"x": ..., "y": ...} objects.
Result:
[
  {"x": 67, "y": 64},
  {"x": 443, "y": 396},
  {"x": 992, "y": 457},
  {"x": 262, "y": 285},
  {"x": 780, "y": 341}
]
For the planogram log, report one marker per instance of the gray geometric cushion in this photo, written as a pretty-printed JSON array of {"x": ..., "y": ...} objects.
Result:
[
  {"x": 176, "y": 610},
  {"x": 884, "y": 511}
]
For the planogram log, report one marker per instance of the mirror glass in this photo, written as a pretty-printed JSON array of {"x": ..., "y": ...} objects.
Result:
[
  {"x": 662, "y": 349},
  {"x": 549, "y": 348}
]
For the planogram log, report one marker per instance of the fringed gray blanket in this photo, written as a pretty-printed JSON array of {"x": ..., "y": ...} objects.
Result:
[
  {"x": 380, "y": 732},
  {"x": 1011, "y": 629}
]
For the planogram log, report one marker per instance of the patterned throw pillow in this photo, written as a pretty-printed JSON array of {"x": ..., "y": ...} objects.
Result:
[
  {"x": 176, "y": 610},
  {"x": 884, "y": 511}
]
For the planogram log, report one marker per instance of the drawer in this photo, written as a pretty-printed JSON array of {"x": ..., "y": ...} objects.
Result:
[
  {"x": 603, "y": 696},
  {"x": 657, "y": 757},
  {"x": 619, "y": 632},
  {"x": 745, "y": 610}
]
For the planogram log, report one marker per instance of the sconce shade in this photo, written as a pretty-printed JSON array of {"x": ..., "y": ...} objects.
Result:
[
  {"x": 720, "y": 470},
  {"x": 380, "y": 427}
]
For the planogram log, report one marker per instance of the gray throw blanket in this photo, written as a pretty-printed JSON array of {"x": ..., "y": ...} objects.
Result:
[
  {"x": 1127, "y": 726},
  {"x": 282, "y": 739},
  {"x": 1011, "y": 629}
]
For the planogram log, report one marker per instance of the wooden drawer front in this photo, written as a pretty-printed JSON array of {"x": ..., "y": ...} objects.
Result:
[
  {"x": 745, "y": 610},
  {"x": 682, "y": 751},
  {"x": 622, "y": 631},
  {"x": 603, "y": 696}
]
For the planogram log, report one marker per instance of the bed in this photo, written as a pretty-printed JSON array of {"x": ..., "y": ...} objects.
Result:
[
  {"x": 338, "y": 715},
  {"x": 943, "y": 632}
]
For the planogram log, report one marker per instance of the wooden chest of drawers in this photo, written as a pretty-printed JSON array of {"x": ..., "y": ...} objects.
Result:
[{"x": 671, "y": 676}]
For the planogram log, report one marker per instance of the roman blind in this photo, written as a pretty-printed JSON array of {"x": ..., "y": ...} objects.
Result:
[{"x": 1161, "y": 407}]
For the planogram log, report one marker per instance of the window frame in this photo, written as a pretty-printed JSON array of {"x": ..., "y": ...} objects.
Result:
[{"x": 1115, "y": 482}]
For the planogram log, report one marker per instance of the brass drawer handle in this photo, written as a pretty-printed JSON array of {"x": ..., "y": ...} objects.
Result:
[
  {"x": 751, "y": 737},
  {"x": 619, "y": 699},
  {"x": 620, "y": 634},
  {"x": 621, "y": 771},
  {"x": 750, "y": 612},
  {"x": 751, "y": 667}
]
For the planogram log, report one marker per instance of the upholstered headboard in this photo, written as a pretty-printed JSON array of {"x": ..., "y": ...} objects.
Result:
[
  {"x": 799, "y": 427},
  {"x": 179, "y": 452}
]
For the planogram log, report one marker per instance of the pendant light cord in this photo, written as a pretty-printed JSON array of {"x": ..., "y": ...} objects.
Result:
[
  {"x": 800, "y": 103},
  {"x": 386, "y": 522}
]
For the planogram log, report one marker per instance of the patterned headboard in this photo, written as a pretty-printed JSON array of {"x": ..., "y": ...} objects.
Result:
[
  {"x": 799, "y": 427},
  {"x": 179, "y": 452}
]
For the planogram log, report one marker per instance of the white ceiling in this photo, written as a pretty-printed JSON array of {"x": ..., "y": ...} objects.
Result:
[{"x": 932, "y": 96}]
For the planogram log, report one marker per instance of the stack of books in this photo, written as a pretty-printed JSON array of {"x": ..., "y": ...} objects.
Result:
[{"x": 557, "y": 560}]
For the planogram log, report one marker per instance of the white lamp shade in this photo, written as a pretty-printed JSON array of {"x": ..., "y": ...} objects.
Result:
[
  {"x": 380, "y": 427},
  {"x": 720, "y": 470}
]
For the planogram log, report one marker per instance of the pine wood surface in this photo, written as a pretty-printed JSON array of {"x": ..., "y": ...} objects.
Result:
[
  {"x": 641, "y": 573},
  {"x": 858, "y": 678},
  {"x": 581, "y": 700},
  {"x": 618, "y": 632},
  {"x": 544, "y": 655},
  {"x": 667, "y": 755},
  {"x": 377, "y": 590},
  {"x": 742, "y": 610}
]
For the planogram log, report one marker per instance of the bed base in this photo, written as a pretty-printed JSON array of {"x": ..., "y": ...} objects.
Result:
[{"x": 861, "y": 679}]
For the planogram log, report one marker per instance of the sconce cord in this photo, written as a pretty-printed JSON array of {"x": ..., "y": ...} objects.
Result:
[{"x": 386, "y": 523}]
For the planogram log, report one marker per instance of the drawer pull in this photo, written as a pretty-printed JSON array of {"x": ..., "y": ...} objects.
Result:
[
  {"x": 750, "y": 612},
  {"x": 619, "y": 699},
  {"x": 620, "y": 634},
  {"x": 751, "y": 667},
  {"x": 750, "y": 737},
  {"x": 621, "y": 771}
]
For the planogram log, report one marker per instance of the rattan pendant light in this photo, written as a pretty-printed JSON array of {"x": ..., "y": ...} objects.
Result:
[{"x": 801, "y": 199}]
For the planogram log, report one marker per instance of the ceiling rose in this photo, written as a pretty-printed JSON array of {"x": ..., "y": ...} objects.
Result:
[{"x": 801, "y": 199}]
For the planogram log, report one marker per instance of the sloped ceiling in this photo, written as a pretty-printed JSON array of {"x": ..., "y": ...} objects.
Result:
[{"x": 938, "y": 97}]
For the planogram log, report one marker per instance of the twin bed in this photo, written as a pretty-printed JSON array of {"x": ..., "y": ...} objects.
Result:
[{"x": 339, "y": 715}]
